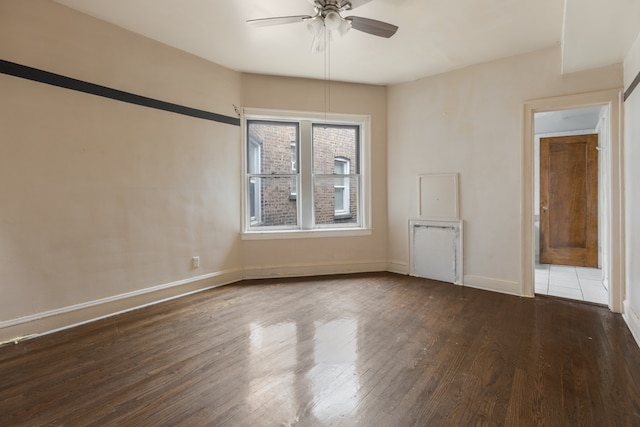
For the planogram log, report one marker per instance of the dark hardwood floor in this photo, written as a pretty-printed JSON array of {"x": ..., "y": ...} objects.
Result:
[{"x": 369, "y": 350}]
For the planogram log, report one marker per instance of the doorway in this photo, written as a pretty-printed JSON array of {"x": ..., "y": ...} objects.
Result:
[
  {"x": 611, "y": 228},
  {"x": 570, "y": 182}
]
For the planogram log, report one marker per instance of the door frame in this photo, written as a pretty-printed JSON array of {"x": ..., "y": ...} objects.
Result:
[{"x": 613, "y": 186}]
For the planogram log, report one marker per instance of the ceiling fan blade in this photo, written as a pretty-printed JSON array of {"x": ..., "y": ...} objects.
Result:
[
  {"x": 352, "y": 4},
  {"x": 265, "y": 22},
  {"x": 371, "y": 26}
]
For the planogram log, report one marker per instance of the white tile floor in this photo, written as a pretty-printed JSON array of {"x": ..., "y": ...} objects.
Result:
[{"x": 579, "y": 283}]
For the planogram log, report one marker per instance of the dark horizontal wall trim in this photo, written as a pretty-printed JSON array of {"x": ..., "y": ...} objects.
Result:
[
  {"x": 632, "y": 86},
  {"x": 41, "y": 76}
]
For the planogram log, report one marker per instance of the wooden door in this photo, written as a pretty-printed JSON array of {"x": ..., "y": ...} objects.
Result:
[{"x": 569, "y": 200}]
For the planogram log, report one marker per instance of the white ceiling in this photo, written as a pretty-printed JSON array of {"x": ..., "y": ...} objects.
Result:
[
  {"x": 435, "y": 36},
  {"x": 598, "y": 33},
  {"x": 581, "y": 119}
]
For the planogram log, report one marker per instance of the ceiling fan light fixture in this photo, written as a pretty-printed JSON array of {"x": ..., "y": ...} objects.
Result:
[
  {"x": 332, "y": 20},
  {"x": 327, "y": 20},
  {"x": 345, "y": 26},
  {"x": 315, "y": 25},
  {"x": 320, "y": 40}
]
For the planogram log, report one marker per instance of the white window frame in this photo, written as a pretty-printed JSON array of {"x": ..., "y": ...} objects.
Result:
[
  {"x": 257, "y": 195},
  {"x": 294, "y": 169},
  {"x": 342, "y": 181},
  {"x": 306, "y": 228}
]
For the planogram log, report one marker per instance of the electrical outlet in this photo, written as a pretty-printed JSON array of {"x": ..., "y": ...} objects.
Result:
[{"x": 195, "y": 262}]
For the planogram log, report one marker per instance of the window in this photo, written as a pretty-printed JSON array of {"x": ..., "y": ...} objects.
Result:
[
  {"x": 254, "y": 182},
  {"x": 270, "y": 176},
  {"x": 304, "y": 174},
  {"x": 341, "y": 187},
  {"x": 294, "y": 169}
]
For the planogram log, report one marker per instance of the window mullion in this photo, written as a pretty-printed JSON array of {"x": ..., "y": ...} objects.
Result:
[{"x": 306, "y": 176}]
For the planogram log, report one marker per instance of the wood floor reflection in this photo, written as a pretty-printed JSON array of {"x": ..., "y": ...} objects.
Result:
[{"x": 369, "y": 350}]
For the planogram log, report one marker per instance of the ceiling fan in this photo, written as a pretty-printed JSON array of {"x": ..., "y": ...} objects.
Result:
[{"x": 328, "y": 19}]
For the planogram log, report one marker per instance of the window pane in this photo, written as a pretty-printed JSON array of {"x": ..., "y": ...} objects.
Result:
[
  {"x": 331, "y": 142},
  {"x": 277, "y": 144},
  {"x": 254, "y": 200},
  {"x": 336, "y": 204},
  {"x": 271, "y": 204},
  {"x": 294, "y": 167},
  {"x": 339, "y": 197}
]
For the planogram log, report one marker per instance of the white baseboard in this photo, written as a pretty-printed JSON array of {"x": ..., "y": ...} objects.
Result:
[
  {"x": 398, "y": 267},
  {"x": 25, "y": 327},
  {"x": 314, "y": 269},
  {"x": 491, "y": 284},
  {"x": 632, "y": 319},
  {"x": 471, "y": 281},
  {"x": 15, "y": 330}
]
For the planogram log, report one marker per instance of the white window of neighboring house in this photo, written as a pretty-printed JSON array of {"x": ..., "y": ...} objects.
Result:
[
  {"x": 291, "y": 163},
  {"x": 294, "y": 169},
  {"x": 341, "y": 186},
  {"x": 253, "y": 165}
]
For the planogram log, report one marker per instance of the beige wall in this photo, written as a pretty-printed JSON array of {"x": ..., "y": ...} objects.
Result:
[
  {"x": 470, "y": 121},
  {"x": 632, "y": 199},
  {"x": 323, "y": 255},
  {"x": 103, "y": 199}
]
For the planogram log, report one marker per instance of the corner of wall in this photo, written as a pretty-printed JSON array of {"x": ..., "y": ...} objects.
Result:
[
  {"x": 492, "y": 284},
  {"x": 633, "y": 321}
]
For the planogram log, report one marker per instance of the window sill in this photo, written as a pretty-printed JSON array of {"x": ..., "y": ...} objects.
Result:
[
  {"x": 342, "y": 216},
  {"x": 305, "y": 234}
]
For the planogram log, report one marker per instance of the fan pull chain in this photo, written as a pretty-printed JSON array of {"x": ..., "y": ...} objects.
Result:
[{"x": 327, "y": 74}]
